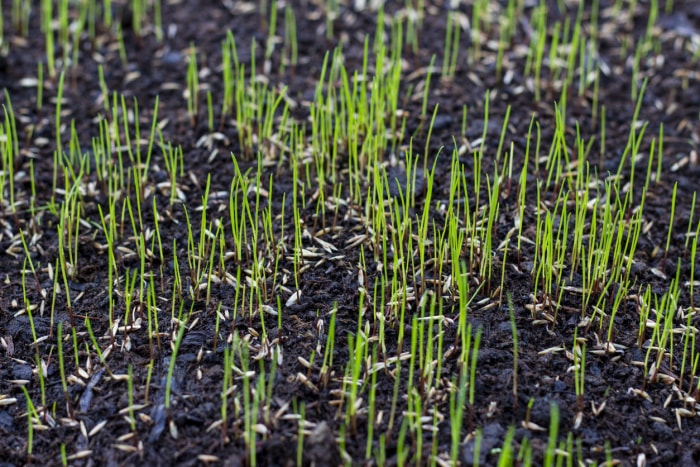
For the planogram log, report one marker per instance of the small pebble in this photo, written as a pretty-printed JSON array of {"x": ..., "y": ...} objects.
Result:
[{"x": 22, "y": 372}]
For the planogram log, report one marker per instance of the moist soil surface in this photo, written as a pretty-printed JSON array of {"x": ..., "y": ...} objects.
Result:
[{"x": 621, "y": 416}]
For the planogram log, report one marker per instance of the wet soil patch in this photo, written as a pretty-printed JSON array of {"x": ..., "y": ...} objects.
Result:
[{"x": 169, "y": 411}]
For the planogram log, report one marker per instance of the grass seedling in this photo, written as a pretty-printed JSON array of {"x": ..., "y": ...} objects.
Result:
[
  {"x": 121, "y": 46},
  {"x": 300, "y": 433},
  {"x": 506, "y": 457},
  {"x": 173, "y": 356},
  {"x": 514, "y": 332},
  {"x": 130, "y": 398},
  {"x": 451, "y": 53},
  {"x": 174, "y": 163},
  {"x": 328, "y": 351},
  {"x": 27, "y": 305},
  {"x": 537, "y": 48},
  {"x": 371, "y": 413},
  {"x": 271, "y": 39},
  {"x": 229, "y": 57},
  {"x": 192, "y": 95},
  {"x": 138, "y": 8},
  {"x": 32, "y": 418},
  {"x": 670, "y": 225},
  {"x": 579, "y": 369},
  {"x": 210, "y": 112},
  {"x": 551, "y": 450},
  {"x": 77, "y": 31},
  {"x": 250, "y": 410},
  {"x": 524, "y": 456},
  {"x": 40, "y": 86},
  {"x": 152, "y": 315},
  {"x": 575, "y": 45},
  {"x": 158, "y": 20},
  {"x": 59, "y": 102},
  {"x": 472, "y": 377},
  {"x": 480, "y": 17},
  {"x": 505, "y": 33},
  {"x": 458, "y": 394},
  {"x": 689, "y": 233},
  {"x": 226, "y": 389},
  {"x": 76, "y": 353},
  {"x": 20, "y": 18},
  {"x": 9, "y": 150},
  {"x": 692, "y": 266},
  {"x": 501, "y": 140},
  {"x": 426, "y": 89},
  {"x": 63, "y": 27},
  {"x": 331, "y": 15},
  {"x": 47, "y": 29},
  {"x": 486, "y": 235},
  {"x": 96, "y": 346},
  {"x": 291, "y": 47},
  {"x": 62, "y": 370},
  {"x": 687, "y": 334}
]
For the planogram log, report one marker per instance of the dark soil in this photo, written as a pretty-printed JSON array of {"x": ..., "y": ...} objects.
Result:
[{"x": 628, "y": 428}]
